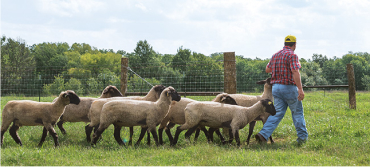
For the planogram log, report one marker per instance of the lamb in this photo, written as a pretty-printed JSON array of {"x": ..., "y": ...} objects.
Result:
[
  {"x": 73, "y": 113},
  {"x": 218, "y": 115},
  {"x": 248, "y": 100},
  {"x": 32, "y": 113},
  {"x": 96, "y": 107},
  {"x": 131, "y": 113},
  {"x": 176, "y": 115}
]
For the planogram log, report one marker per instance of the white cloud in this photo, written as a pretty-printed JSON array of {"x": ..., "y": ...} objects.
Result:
[
  {"x": 69, "y": 8},
  {"x": 250, "y": 28}
]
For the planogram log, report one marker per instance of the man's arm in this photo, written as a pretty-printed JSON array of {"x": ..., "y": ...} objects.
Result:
[
  {"x": 268, "y": 70},
  {"x": 297, "y": 80}
]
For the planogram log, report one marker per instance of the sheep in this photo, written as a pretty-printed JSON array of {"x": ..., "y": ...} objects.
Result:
[
  {"x": 218, "y": 115},
  {"x": 135, "y": 113},
  {"x": 73, "y": 113},
  {"x": 176, "y": 115},
  {"x": 249, "y": 100},
  {"x": 97, "y": 105},
  {"x": 32, "y": 113}
]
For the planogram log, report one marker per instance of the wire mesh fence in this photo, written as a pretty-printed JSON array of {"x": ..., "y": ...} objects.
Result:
[{"x": 190, "y": 77}]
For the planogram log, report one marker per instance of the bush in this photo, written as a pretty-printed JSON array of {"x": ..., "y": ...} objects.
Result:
[
  {"x": 56, "y": 87},
  {"x": 75, "y": 85}
]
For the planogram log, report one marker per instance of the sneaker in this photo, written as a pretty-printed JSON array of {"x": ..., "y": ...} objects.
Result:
[{"x": 260, "y": 139}]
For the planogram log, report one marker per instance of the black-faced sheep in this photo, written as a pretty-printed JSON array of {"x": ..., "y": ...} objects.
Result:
[
  {"x": 32, "y": 113},
  {"x": 176, "y": 115},
  {"x": 131, "y": 113},
  {"x": 218, "y": 115},
  {"x": 78, "y": 113},
  {"x": 249, "y": 100},
  {"x": 96, "y": 107}
]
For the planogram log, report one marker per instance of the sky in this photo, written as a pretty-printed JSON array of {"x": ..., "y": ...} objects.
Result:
[{"x": 250, "y": 28}]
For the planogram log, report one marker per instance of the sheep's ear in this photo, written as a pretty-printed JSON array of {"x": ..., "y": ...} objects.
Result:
[
  {"x": 105, "y": 91},
  {"x": 261, "y": 82}
]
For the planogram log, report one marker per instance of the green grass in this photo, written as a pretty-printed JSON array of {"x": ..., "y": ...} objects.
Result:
[{"x": 337, "y": 136}]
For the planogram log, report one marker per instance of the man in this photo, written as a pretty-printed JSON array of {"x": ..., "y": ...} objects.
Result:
[{"x": 287, "y": 91}]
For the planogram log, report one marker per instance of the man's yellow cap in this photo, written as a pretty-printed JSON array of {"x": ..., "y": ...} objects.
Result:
[{"x": 290, "y": 38}]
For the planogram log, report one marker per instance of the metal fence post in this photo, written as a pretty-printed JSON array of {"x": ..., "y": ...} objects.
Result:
[
  {"x": 40, "y": 88},
  {"x": 351, "y": 86},
  {"x": 229, "y": 73},
  {"x": 124, "y": 65}
]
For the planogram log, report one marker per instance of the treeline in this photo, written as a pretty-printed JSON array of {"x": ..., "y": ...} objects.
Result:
[{"x": 87, "y": 69}]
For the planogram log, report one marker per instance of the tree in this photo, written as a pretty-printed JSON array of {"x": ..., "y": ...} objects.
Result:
[
  {"x": 50, "y": 59},
  {"x": 144, "y": 51},
  {"x": 319, "y": 59},
  {"x": 181, "y": 59},
  {"x": 17, "y": 65}
]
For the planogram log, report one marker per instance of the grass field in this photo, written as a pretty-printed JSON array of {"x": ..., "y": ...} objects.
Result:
[{"x": 337, "y": 136}]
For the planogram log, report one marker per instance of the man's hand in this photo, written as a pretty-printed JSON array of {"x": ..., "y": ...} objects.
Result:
[
  {"x": 300, "y": 94},
  {"x": 297, "y": 80}
]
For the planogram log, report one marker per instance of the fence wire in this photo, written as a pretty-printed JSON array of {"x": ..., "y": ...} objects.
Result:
[{"x": 184, "y": 77}]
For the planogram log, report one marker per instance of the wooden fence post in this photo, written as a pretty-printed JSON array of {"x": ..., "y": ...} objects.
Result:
[
  {"x": 124, "y": 65},
  {"x": 351, "y": 86},
  {"x": 229, "y": 73}
]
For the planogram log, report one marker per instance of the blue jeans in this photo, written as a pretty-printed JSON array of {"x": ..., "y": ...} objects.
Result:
[{"x": 284, "y": 96}]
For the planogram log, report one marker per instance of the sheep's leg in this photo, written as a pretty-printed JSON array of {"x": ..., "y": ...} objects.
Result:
[
  {"x": 236, "y": 136},
  {"x": 231, "y": 136},
  {"x": 53, "y": 133},
  {"x": 272, "y": 141},
  {"x": 220, "y": 136},
  {"x": 88, "y": 130},
  {"x": 155, "y": 137},
  {"x": 117, "y": 135},
  {"x": 142, "y": 133},
  {"x": 178, "y": 131},
  {"x": 95, "y": 129},
  {"x": 13, "y": 132},
  {"x": 191, "y": 131},
  {"x": 251, "y": 127},
  {"x": 131, "y": 134},
  {"x": 44, "y": 133},
  {"x": 210, "y": 134},
  {"x": 148, "y": 139},
  {"x": 160, "y": 136},
  {"x": 2, "y": 136},
  {"x": 205, "y": 131},
  {"x": 97, "y": 134},
  {"x": 4, "y": 127},
  {"x": 168, "y": 131},
  {"x": 196, "y": 134},
  {"x": 60, "y": 125}
]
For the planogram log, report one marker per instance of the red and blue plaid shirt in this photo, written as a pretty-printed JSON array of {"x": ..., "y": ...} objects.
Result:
[{"x": 282, "y": 63}]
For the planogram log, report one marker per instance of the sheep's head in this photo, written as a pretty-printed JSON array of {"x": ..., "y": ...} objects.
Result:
[
  {"x": 158, "y": 89},
  {"x": 219, "y": 97},
  {"x": 269, "y": 105},
  {"x": 225, "y": 98},
  {"x": 111, "y": 91},
  {"x": 170, "y": 91},
  {"x": 267, "y": 81},
  {"x": 71, "y": 95}
]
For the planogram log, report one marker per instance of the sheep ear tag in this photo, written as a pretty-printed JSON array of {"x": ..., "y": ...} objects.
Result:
[
  {"x": 65, "y": 95},
  {"x": 269, "y": 102},
  {"x": 168, "y": 94}
]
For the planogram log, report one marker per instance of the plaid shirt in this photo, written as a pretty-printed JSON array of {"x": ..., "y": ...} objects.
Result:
[{"x": 282, "y": 63}]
